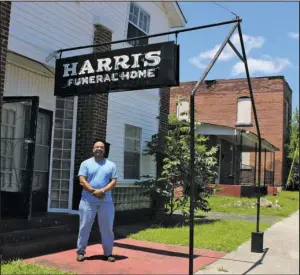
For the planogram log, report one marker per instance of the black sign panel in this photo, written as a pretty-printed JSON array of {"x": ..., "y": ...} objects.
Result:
[{"x": 134, "y": 68}]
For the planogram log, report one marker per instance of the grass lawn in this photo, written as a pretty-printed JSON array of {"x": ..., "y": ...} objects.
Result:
[
  {"x": 289, "y": 202},
  {"x": 18, "y": 267},
  {"x": 222, "y": 235}
]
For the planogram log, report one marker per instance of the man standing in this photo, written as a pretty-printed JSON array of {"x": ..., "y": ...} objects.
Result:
[{"x": 98, "y": 176}]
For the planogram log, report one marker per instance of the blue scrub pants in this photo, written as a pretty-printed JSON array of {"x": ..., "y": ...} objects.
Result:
[{"x": 105, "y": 213}]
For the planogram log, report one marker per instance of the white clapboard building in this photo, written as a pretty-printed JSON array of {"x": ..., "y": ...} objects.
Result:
[{"x": 36, "y": 31}]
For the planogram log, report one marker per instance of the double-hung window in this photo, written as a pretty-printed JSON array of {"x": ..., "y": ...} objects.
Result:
[
  {"x": 138, "y": 25},
  {"x": 132, "y": 152}
]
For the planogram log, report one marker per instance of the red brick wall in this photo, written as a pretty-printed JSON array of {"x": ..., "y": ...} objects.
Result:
[
  {"x": 5, "y": 8},
  {"x": 164, "y": 108},
  {"x": 91, "y": 116},
  {"x": 216, "y": 103}
]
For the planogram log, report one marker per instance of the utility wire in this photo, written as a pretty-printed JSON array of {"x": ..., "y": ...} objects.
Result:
[{"x": 225, "y": 8}]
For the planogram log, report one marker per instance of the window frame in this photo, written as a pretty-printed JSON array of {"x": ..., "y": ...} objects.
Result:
[
  {"x": 136, "y": 25},
  {"x": 241, "y": 116},
  {"x": 139, "y": 153},
  {"x": 180, "y": 109},
  {"x": 8, "y": 157}
]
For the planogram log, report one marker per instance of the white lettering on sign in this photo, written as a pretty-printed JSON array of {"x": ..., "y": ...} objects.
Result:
[
  {"x": 123, "y": 67},
  {"x": 86, "y": 68},
  {"x": 72, "y": 69},
  {"x": 121, "y": 61},
  {"x": 150, "y": 73},
  {"x": 103, "y": 65},
  {"x": 156, "y": 58}
]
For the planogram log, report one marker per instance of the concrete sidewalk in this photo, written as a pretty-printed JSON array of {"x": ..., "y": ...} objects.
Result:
[{"x": 281, "y": 253}]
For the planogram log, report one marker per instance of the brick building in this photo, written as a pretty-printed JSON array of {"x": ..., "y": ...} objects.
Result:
[{"x": 225, "y": 102}]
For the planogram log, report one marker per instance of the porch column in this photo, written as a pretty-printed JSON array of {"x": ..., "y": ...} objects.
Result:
[
  {"x": 273, "y": 178},
  {"x": 265, "y": 168},
  {"x": 255, "y": 162},
  {"x": 241, "y": 157}
]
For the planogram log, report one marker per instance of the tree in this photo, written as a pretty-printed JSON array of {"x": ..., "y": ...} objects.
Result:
[
  {"x": 176, "y": 167},
  {"x": 293, "y": 152}
]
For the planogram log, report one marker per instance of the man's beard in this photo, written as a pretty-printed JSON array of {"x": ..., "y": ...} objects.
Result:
[{"x": 98, "y": 153}]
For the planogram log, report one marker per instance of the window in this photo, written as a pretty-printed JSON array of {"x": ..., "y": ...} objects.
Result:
[
  {"x": 287, "y": 113},
  {"x": 42, "y": 147},
  {"x": 62, "y": 148},
  {"x": 244, "y": 111},
  {"x": 42, "y": 150},
  {"x": 245, "y": 160},
  {"x": 132, "y": 152},
  {"x": 138, "y": 25},
  {"x": 8, "y": 126},
  {"x": 183, "y": 110}
]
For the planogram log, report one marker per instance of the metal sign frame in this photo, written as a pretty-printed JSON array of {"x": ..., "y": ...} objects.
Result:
[{"x": 257, "y": 236}]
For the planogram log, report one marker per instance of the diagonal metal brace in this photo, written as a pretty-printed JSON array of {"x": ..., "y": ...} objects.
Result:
[
  {"x": 236, "y": 51},
  {"x": 213, "y": 61}
]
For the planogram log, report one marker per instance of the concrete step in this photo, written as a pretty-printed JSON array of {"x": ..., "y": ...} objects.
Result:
[{"x": 19, "y": 236}]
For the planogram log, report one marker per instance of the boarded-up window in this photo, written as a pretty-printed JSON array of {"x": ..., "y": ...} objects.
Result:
[
  {"x": 183, "y": 110},
  {"x": 245, "y": 159},
  {"x": 244, "y": 111}
]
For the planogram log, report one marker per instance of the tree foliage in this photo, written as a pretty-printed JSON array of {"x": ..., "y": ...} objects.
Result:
[
  {"x": 293, "y": 151},
  {"x": 176, "y": 167}
]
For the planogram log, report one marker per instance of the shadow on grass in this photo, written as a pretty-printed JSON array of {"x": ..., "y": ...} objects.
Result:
[
  {"x": 165, "y": 221},
  {"x": 154, "y": 250}
]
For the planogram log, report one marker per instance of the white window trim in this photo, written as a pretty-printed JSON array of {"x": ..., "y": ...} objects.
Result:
[
  {"x": 72, "y": 170},
  {"x": 241, "y": 115},
  {"x": 127, "y": 44},
  {"x": 71, "y": 179},
  {"x": 12, "y": 155},
  {"x": 143, "y": 10},
  {"x": 179, "y": 111}
]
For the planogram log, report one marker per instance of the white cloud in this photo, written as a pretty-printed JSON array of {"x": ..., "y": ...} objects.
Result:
[
  {"x": 196, "y": 62},
  {"x": 266, "y": 65},
  {"x": 250, "y": 43},
  {"x": 293, "y": 35}
]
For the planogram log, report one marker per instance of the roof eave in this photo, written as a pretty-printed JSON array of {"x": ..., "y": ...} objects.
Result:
[{"x": 175, "y": 14}]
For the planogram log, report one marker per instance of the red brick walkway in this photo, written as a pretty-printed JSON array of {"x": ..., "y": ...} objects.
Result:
[{"x": 132, "y": 257}]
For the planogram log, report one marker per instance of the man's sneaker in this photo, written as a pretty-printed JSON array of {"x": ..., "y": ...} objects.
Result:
[
  {"x": 109, "y": 258},
  {"x": 80, "y": 258}
]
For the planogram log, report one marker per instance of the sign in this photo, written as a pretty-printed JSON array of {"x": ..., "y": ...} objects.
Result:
[{"x": 134, "y": 68}]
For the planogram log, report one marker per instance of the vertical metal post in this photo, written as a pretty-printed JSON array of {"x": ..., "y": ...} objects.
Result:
[
  {"x": 192, "y": 183},
  {"x": 265, "y": 168},
  {"x": 31, "y": 151},
  {"x": 273, "y": 179},
  {"x": 257, "y": 237},
  {"x": 255, "y": 164},
  {"x": 241, "y": 155}
]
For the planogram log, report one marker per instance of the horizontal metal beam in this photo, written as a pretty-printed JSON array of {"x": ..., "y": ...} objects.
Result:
[{"x": 152, "y": 35}]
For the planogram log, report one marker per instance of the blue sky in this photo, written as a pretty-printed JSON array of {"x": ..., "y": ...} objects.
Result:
[{"x": 271, "y": 37}]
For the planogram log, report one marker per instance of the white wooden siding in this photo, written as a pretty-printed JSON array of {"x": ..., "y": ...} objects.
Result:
[
  {"x": 20, "y": 81},
  {"x": 39, "y": 28},
  {"x": 137, "y": 108}
]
